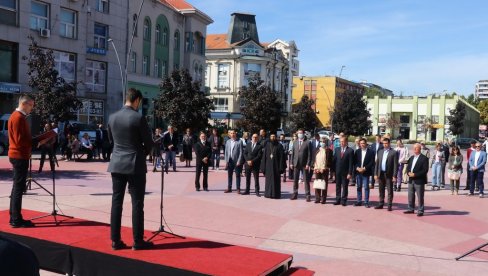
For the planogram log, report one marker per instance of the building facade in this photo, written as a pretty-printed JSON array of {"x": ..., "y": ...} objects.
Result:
[
  {"x": 419, "y": 118},
  {"x": 235, "y": 57},
  {"x": 78, "y": 32},
  {"x": 323, "y": 90},
  {"x": 169, "y": 35},
  {"x": 481, "y": 89}
]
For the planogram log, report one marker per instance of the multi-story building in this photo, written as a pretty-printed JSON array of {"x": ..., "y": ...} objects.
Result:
[
  {"x": 235, "y": 57},
  {"x": 170, "y": 35},
  {"x": 323, "y": 90},
  {"x": 79, "y": 33},
  {"x": 481, "y": 90},
  {"x": 384, "y": 91}
]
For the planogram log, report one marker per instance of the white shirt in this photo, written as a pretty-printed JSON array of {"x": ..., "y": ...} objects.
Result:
[
  {"x": 415, "y": 158},
  {"x": 383, "y": 162},
  {"x": 363, "y": 154},
  {"x": 476, "y": 156},
  {"x": 21, "y": 111}
]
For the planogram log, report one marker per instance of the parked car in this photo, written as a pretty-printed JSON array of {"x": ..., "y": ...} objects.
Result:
[
  {"x": 463, "y": 143},
  {"x": 3, "y": 123}
]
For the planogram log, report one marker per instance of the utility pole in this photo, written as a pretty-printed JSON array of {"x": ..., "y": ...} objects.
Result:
[{"x": 342, "y": 67}]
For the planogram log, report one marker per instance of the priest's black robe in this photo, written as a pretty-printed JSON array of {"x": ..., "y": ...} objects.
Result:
[{"x": 273, "y": 164}]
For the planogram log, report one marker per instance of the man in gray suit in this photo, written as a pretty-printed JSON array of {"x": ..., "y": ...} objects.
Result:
[
  {"x": 129, "y": 133},
  {"x": 234, "y": 160},
  {"x": 301, "y": 159},
  {"x": 385, "y": 172}
]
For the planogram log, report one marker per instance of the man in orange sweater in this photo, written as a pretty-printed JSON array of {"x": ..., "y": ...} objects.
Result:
[{"x": 19, "y": 152}]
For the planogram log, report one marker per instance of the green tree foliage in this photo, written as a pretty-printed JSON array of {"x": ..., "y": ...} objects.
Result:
[
  {"x": 456, "y": 118},
  {"x": 371, "y": 92},
  {"x": 350, "y": 113},
  {"x": 55, "y": 98},
  {"x": 181, "y": 102},
  {"x": 483, "y": 109},
  {"x": 302, "y": 115},
  {"x": 261, "y": 107},
  {"x": 472, "y": 100}
]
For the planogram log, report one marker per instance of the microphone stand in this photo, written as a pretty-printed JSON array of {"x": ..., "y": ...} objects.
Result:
[{"x": 161, "y": 216}]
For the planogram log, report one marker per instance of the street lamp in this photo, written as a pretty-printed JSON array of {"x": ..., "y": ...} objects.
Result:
[
  {"x": 120, "y": 68},
  {"x": 330, "y": 105}
]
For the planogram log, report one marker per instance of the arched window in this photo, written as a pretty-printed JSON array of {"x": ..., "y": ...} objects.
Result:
[
  {"x": 165, "y": 36},
  {"x": 177, "y": 40},
  {"x": 147, "y": 30},
  {"x": 158, "y": 34}
]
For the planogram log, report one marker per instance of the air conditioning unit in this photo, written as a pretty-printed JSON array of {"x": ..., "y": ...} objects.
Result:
[{"x": 45, "y": 32}]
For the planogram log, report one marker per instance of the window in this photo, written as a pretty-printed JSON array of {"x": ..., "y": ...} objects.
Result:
[
  {"x": 404, "y": 119},
  {"x": 39, "y": 17},
  {"x": 435, "y": 119},
  {"x": 158, "y": 34},
  {"x": 95, "y": 76},
  {"x": 101, "y": 34},
  {"x": 188, "y": 42},
  {"x": 197, "y": 69},
  {"x": 92, "y": 112},
  {"x": 146, "y": 35},
  {"x": 8, "y": 61},
  {"x": 8, "y": 12},
  {"x": 177, "y": 40},
  {"x": 133, "y": 62},
  {"x": 165, "y": 36},
  {"x": 102, "y": 6},
  {"x": 157, "y": 72},
  {"x": 207, "y": 76},
  {"x": 310, "y": 87},
  {"x": 145, "y": 65},
  {"x": 68, "y": 23},
  {"x": 251, "y": 70},
  {"x": 223, "y": 76},
  {"x": 65, "y": 64},
  {"x": 134, "y": 24},
  {"x": 221, "y": 104}
]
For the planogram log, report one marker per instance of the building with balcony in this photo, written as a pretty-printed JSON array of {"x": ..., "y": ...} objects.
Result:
[
  {"x": 481, "y": 90},
  {"x": 235, "y": 57}
]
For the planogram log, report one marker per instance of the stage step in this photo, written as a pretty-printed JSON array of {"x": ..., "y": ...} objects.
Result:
[{"x": 299, "y": 271}]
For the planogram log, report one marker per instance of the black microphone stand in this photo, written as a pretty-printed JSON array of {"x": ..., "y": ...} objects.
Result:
[
  {"x": 161, "y": 216},
  {"x": 479, "y": 248}
]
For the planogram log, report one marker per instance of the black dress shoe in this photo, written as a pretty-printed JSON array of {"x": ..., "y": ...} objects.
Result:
[
  {"x": 390, "y": 208},
  {"x": 379, "y": 207},
  {"x": 465, "y": 189},
  {"x": 141, "y": 245},
  {"x": 228, "y": 191},
  {"x": 245, "y": 193},
  {"x": 294, "y": 196},
  {"x": 205, "y": 189},
  {"x": 238, "y": 191},
  {"x": 258, "y": 194},
  {"x": 367, "y": 205},
  {"x": 344, "y": 203},
  {"x": 308, "y": 199},
  {"x": 117, "y": 245},
  {"x": 408, "y": 212},
  {"x": 22, "y": 224},
  {"x": 358, "y": 204},
  {"x": 420, "y": 214},
  {"x": 337, "y": 203},
  {"x": 198, "y": 189}
]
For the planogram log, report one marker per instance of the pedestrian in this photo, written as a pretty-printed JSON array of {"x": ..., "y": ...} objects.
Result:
[
  {"x": 445, "y": 148},
  {"x": 19, "y": 153},
  {"x": 188, "y": 147},
  {"x": 47, "y": 148},
  {"x": 363, "y": 165},
  {"x": 417, "y": 167},
  {"x": 234, "y": 160},
  {"x": 156, "y": 149},
  {"x": 402, "y": 152},
  {"x": 354, "y": 172},
  {"x": 273, "y": 164},
  {"x": 437, "y": 160},
  {"x": 215, "y": 142},
  {"x": 203, "y": 154},
  {"x": 385, "y": 172},
  {"x": 321, "y": 168},
  {"x": 129, "y": 132},
  {"x": 290, "y": 160},
  {"x": 477, "y": 162},
  {"x": 301, "y": 164},
  {"x": 376, "y": 146},
  {"x": 252, "y": 157},
  {"x": 343, "y": 161},
  {"x": 455, "y": 169},
  {"x": 468, "y": 155},
  {"x": 314, "y": 148},
  {"x": 170, "y": 144},
  {"x": 284, "y": 145}
]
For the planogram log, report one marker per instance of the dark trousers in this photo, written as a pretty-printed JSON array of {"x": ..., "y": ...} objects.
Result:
[
  {"x": 419, "y": 190},
  {"x": 322, "y": 176},
  {"x": 342, "y": 184},
  {"x": 199, "y": 168},
  {"x": 20, "y": 167},
  {"x": 231, "y": 169},
  {"x": 296, "y": 177},
  {"x": 215, "y": 158},
  {"x": 385, "y": 182},
  {"x": 50, "y": 154},
  {"x": 478, "y": 177},
  {"x": 255, "y": 174},
  {"x": 137, "y": 188}
]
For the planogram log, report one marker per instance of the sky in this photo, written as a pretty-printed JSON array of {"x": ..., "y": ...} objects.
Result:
[{"x": 413, "y": 47}]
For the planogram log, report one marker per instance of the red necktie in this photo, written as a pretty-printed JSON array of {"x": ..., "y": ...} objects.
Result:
[{"x": 342, "y": 153}]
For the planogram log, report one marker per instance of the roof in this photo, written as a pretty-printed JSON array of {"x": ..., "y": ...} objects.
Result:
[
  {"x": 219, "y": 41},
  {"x": 178, "y": 4},
  {"x": 186, "y": 8}
]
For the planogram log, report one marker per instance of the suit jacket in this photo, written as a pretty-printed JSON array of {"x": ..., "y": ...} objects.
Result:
[
  {"x": 301, "y": 155},
  {"x": 420, "y": 170},
  {"x": 236, "y": 154},
  {"x": 202, "y": 151},
  {"x": 129, "y": 132},
  {"x": 344, "y": 164},
  {"x": 168, "y": 140},
  {"x": 253, "y": 155},
  {"x": 368, "y": 162},
  {"x": 480, "y": 165},
  {"x": 391, "y": 163},
  {"x": 375, "y": 148},
  {"x": 314, "y": 148}
]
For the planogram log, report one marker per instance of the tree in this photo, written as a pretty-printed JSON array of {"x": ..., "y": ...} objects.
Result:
[
  {"x": 371, "y": 92},
  {"x": 55, "y": 98},
  {"x": 391, "y": 123},
  {"x": 261, "y": 107},
  {"x": 456, "y": 120},
  {"x": 181, "y": 102},
  {"x": 350, "y": 114},
  {"x": 472, "y": 100},
  {"x": 483, "y": 109},
  {"x": 302, "y": 115}
]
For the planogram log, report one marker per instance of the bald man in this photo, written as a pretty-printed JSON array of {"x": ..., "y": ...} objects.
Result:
[{"x": 417, "y": 169}]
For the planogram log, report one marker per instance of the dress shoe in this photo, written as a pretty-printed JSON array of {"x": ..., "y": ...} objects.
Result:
[
  {"x": 379, "y": 207},
  {"x": 322, "y": 201},
  {"x": 337, "y": 203},
  {"x": 228, "y": 191},
  {"x": 470, "y": 194},
  {"x": 390, "y": 208},
  {"x": 141, "y": 245},
  {"x": 308, "y": 199},
  {"x": 317, "y": 200},
  {"x": 465, "y": 189},
  {"x": 419, "y": 214},
  {"x": 245, "y": 193},
  {"x": 344, "y": 203},
  {"x": 477, "y": 189},
  {"x": 21, "y": 224},
  {"x": 294, "y": 196},
  {"x": 117, "y": 245},
  {"x": 205, "y": 189},
  {"x": 258, "y": 194},
  {"x": 238, "y": 191},
  {"x": 367, "y": 205},
  {"x": 198, "y": 189},
  {"x": 408, "y": 212},
  {"x": 358, "y": 204}
]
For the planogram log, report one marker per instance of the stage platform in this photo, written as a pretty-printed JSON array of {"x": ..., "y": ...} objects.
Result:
[{"x": 82, "y": 247}]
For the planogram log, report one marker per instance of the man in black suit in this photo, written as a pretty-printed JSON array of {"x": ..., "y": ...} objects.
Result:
[
  {"x": 103, "y": 144},
  {"x": 170, "y": 143},
  {"x": 375, "y": 147},
  {"x": 252, "y": 156},
  {"x": 300, "y": 157},
  {"x": 363, "y": 165},
  {"x": 215, "y": 142},
  {"x": 343, "y": 163},
  {"x": 417, "y": 168},
  {"x": 203, "y": 154},
  {"x": 385, "y": 172},
  {"x": 314, "y": 148},
  {"x": 129, "y": 132}
]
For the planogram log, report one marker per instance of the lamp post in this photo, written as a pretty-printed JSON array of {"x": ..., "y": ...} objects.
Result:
[
  {"x": 330, "y": 105},
  {"x": 120, "y": 68}
]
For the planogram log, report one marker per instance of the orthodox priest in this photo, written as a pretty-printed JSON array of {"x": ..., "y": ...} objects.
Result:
[{"x": 273, "y": 165}]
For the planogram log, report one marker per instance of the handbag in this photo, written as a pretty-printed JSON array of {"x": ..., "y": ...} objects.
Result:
[
  {"x": 319, "y": 184},
  {"x": 453, "y": 175},
  {"x": 182, "y": 158}
]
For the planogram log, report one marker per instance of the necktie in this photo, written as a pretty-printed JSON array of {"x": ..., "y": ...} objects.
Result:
[
  {"x": 299, "y": 144},
  {"x": 342, "y": 152},
  {"x": 253, "y": 146}
]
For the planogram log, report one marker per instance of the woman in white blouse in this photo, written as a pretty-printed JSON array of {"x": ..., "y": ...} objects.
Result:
[{"x": 402, "y": 152}]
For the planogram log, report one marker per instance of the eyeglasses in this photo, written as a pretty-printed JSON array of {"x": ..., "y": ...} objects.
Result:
[{"x": 478, "y": 146}]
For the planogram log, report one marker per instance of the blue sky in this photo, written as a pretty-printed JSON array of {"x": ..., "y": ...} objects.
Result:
[{"x": 414, "y": 47}]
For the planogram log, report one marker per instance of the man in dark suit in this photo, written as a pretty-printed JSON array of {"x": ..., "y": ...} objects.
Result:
[
  {"x": 417, "y": 169},
  {"x": 363, "y": 165},
  {"x": 170, "y": 143},
  {"x": 343, "y": 163},
  {"x": 314, "y": 148},
  {"x": 129, "y": 132},
  {"x": 385, "y": 172},
  {"x": 252, "y": 157},
  {"x": 98, "y": 140},
  {"x": 203, "y": 154},
  {"x": 301, "y": 164},
  {"x": 215, "y": 142},
  {"x": 234, "y": 160},
  {"x": 375, "y": 147},
  {"x": 103, "y": 144}
]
